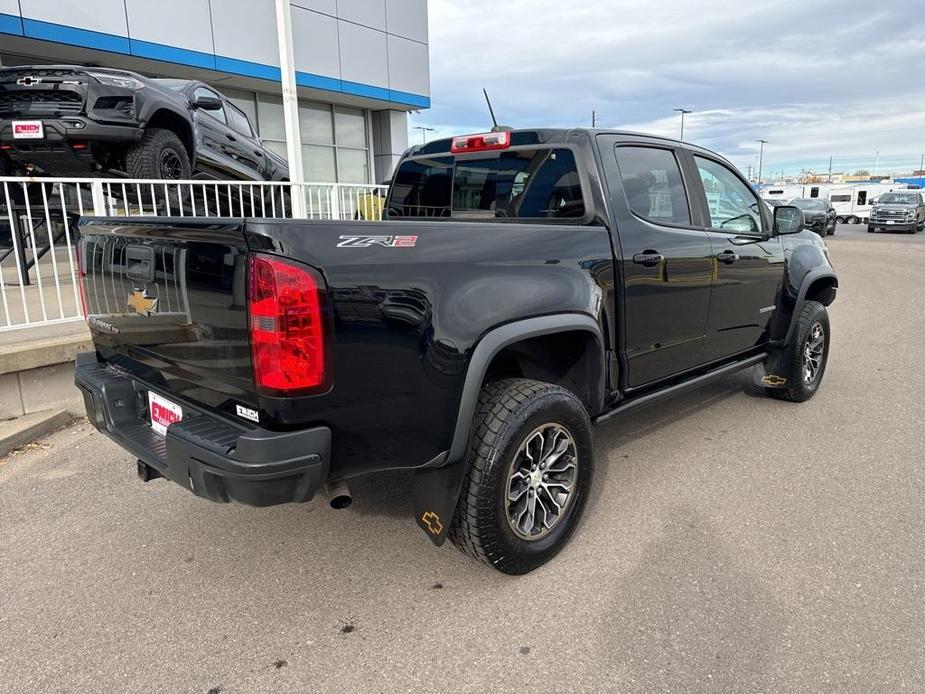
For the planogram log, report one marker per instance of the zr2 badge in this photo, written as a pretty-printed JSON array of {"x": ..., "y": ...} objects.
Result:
[{"x": 384, "y": 241}]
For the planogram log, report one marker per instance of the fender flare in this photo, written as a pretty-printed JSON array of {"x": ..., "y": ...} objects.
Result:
[
  {"x": 808, "y": 280},
  {"x": 438, "y": 484}
]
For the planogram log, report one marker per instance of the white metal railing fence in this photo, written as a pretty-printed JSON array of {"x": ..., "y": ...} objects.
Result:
[{"x": 38, "y": 226}]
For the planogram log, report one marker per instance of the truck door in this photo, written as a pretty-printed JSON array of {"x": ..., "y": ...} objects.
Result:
[
  {"x": 219, "y": 150},
  {"x": 247, "y": 147},
  {"x": 664, "y": 260},
  {"x": 748, "y": 262}
]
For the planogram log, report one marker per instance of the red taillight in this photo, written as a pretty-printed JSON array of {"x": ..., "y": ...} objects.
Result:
[
  {"x": 82, "y": 282},
  {"x": 480, "y": 143},
  {"x": 287, "y": 326},
  {"x": 6, "y": 146},
  {"x": 79, "y": 145}
]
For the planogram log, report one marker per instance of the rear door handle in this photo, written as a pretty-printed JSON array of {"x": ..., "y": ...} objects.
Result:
[
  {"x": 648, "y": 258},
  {"x": 727, "y": 257}
]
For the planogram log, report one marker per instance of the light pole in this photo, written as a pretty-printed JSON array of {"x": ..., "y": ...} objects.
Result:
[
  {"x": 922, "y": 163},
  {"x": 683, "y": 111},
  {"x": 762, "y": 143},
  {"x": 424, "y": 132},
  {"x": 877, "y": 163}
]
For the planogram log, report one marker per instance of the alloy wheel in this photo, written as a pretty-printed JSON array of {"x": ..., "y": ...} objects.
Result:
[
  {"x": 541, "y": 482},
  {"x": 170, "y": 166},
  {"x": 812, "y": 353}
]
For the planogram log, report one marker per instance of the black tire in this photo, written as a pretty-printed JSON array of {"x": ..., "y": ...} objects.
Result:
[
  {"x": 870, "y": 229},
  {"x": 159, "y": 155},
  {"x": 283, "y": 200},
  {"x": 798, "y": 389},
  {"x": 509, "y": 413}
]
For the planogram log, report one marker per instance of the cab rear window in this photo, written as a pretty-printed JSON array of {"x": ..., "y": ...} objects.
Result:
[{"x": 513, "y": 184}]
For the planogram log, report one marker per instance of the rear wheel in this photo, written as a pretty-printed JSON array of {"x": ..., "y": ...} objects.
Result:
[
  {"x": 528, "y": 476},
  {"x": 809, "y": 354},
  {"x": 853, "y": 220},
  {"x": 870, "y": 229}
]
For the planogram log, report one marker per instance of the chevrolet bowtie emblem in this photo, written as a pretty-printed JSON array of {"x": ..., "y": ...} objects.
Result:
[
  {"x": 141, "y": 303},
  {"x": 432, "y": 522}
]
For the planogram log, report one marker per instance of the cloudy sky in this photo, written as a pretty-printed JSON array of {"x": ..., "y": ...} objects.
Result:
[{"x": 815, "y": 78}]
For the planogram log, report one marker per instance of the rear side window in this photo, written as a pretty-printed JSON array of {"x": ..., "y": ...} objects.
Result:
[
  {"x": 238, "y": 121},
  {"x": 519, "y": 184},
  {"x": 840, "y": 198},
  {"x": 422, "y": 188},
  {"x": 653, "y": 185}
]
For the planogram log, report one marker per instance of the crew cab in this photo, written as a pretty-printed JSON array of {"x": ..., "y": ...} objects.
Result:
[
  {"x": 67, "y": 120},
  {"x": 525, "y": 285}
]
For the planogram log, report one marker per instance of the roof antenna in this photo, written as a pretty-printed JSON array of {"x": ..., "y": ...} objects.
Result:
[
  {"x": 495, "y": 127},
  {"x": 494, "y": 120}
]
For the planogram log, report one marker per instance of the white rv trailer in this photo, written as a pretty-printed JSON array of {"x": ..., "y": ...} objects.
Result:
[{"x": 791, "y": 191}]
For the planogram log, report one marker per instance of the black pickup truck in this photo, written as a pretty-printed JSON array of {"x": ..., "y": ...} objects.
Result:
[{"x": 526, "y": 285}]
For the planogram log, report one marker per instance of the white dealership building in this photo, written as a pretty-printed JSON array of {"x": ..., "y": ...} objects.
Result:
[{"x": 361, "y": 65}]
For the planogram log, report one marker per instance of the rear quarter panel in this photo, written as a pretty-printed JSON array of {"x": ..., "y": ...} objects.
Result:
[{"x": 406, "y": 320}]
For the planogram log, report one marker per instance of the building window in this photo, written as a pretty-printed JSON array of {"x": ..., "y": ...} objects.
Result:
[{"x": 335, "y": 146}]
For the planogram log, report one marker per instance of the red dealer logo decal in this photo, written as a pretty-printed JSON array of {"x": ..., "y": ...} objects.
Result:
[
  {"x": 384, "y": 241},
  {"x": 26, "y": 128}
]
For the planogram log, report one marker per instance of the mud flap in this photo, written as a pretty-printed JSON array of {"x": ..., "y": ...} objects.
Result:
[
  {"x": 436, "y": 492},
  {"x": 775, "y": 371}
]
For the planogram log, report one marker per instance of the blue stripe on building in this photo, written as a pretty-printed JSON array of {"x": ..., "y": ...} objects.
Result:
[
  {"x": 10, "y": 24},
  {"x": 59, "y": 33},
  {"x": 170, "y": 54}
]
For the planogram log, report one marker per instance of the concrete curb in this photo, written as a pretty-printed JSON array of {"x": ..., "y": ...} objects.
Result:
[
  {"x": 22, "y": 430},
  {"x": 35, "y": 354}
]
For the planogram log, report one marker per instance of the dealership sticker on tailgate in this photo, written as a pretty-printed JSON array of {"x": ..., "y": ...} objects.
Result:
[
  {"x": 28, "y": 130},
  {"x": 163, "y": 413}
]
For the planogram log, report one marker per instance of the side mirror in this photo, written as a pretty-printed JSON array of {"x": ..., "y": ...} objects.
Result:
[
  {"x": 207, "y": 103},
  {"x": 788, "y": 220}
]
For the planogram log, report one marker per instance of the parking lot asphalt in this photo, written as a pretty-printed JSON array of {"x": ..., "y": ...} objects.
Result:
[{"x": 732, "y": 543}]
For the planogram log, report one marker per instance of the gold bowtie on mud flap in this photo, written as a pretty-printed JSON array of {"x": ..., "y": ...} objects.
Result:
[
  {"x": 773, "y": 380},
  {"x": 432, "y": 522}
]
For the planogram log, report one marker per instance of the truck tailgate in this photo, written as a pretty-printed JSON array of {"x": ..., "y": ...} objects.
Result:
[{"x": 166, "y": 300}]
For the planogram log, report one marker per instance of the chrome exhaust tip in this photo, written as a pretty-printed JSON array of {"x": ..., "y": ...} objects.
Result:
[{"x": 338, "y": 495}]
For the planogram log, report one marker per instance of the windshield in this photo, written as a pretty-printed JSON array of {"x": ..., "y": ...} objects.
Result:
[
  {"x": 899, "y": 199},
  {"x": 176, "y": 85},
  {"x": 805, "y": 204}
]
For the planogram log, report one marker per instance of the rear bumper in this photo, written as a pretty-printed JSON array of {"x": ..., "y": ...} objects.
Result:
[{"x": 205, "y": 453}]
